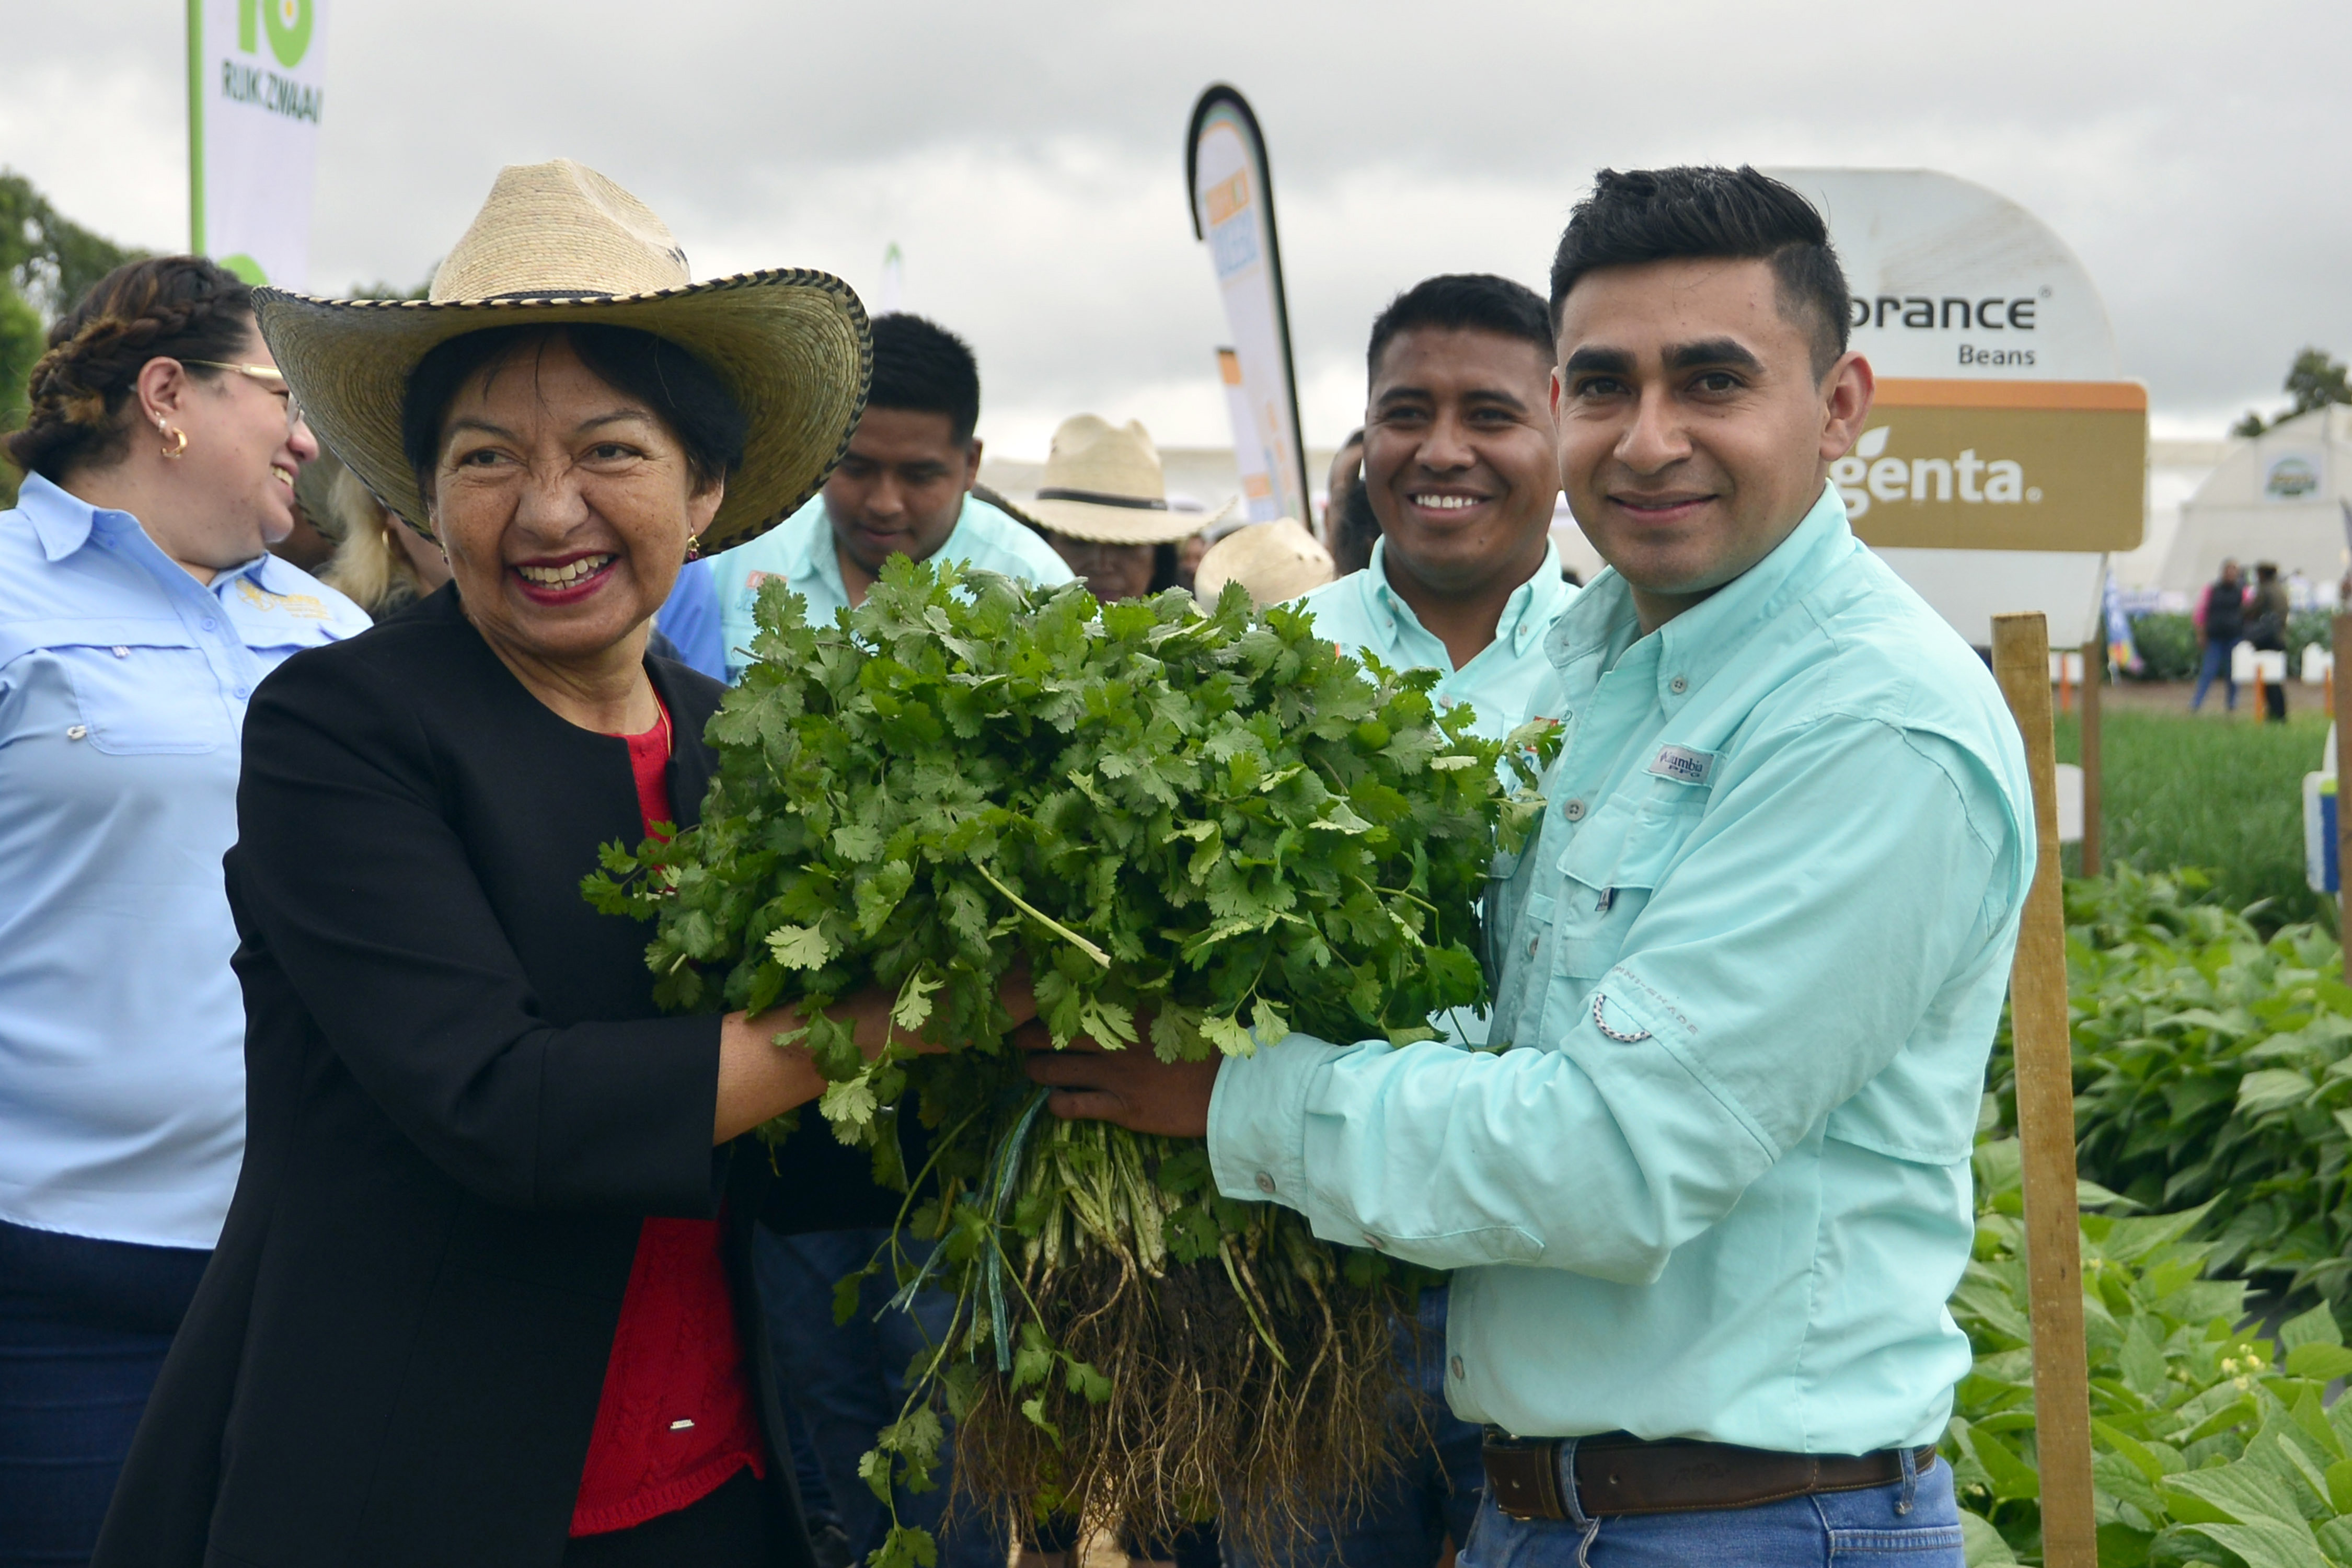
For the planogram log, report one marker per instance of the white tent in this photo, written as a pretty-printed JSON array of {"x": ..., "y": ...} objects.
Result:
[{"x": 2284, "y": 496}]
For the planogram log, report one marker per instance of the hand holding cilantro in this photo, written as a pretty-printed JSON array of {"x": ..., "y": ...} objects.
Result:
[{"x": 1198, "y": 831}]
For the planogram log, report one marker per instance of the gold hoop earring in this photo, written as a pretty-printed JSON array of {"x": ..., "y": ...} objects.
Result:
[
  {"x": 694, "y": 547},
  {"x": 178, "y": 447}
]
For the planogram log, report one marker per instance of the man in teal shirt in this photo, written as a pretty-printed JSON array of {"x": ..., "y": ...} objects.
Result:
[
  {"x": 1752, "y": 963},
  {"x": 1459, "y": 469},
  {"x": 904, "y": 488}
]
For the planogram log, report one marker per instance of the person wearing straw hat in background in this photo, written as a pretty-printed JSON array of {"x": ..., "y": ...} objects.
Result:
[
  {"x": 904, "y": 486},
  {"x": 1103, "y": 506},
  {"x": 481, "y": 1296},
  {"x": 1273, "y": 561}
]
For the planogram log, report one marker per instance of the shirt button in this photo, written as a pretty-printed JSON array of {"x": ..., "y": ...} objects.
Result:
[
  {"x": 1678, "y": 685},
  {"x": 1574, "y": 811},
  {"x": 122, "y": 653},
  {"x": 241, "y": 692},
  {"x": 210, "y": 625},
  {"x": 1533, "y": 942},
  {"x": 1266, "y": 1184},
  {"x": 78, "y": 732},
  {"x": 1459, "y": 1370}
]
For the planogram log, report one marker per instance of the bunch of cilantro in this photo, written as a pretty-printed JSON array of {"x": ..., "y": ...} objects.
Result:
[{"x": 1198, "y": 829}]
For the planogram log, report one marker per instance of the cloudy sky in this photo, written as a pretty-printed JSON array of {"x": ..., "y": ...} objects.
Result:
[{"x": 1028, "y": 158}]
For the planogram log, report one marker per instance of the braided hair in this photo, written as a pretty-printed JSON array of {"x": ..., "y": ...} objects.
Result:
[{"x": 166, "y": 306}]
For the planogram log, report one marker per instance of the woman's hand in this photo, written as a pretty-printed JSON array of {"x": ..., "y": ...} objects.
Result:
[
  {"x": 1130, "y": 1088},
  {"x": 760, "y": 1080}
]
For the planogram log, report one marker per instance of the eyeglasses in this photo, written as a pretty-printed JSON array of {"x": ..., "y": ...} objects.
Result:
[{"x": 268, "y": 375}]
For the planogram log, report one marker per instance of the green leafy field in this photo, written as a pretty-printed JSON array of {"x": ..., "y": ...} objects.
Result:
[
  {"x": 2221, "y": 795},
  {"x": 2210, "y": 1444}
]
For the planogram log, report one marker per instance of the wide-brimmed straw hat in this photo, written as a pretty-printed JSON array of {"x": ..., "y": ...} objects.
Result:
[
  {"x": 558, "y": 243},
  {"x": 1103, "y": 483},
  {"x": 1275, "y": 561}
]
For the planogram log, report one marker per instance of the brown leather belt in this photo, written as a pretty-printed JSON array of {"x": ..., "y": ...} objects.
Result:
[{"x": 1617, "y": 1473}]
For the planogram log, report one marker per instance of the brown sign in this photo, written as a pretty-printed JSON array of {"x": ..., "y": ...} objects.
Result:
[{"x": 1999, "y": 465}]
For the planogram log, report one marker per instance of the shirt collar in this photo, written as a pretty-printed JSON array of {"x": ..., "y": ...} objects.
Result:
[
  {"x": 64, "y": 523},
  {"x": 62, "y": 520},
  {"x": 1704, "y": 637},
  {"x": 1525, "y": 614}
]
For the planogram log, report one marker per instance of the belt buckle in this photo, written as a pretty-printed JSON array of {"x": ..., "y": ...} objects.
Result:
[{"x": 1530, "y": 1485}]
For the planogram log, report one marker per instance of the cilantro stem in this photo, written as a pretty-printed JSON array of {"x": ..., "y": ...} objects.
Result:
[{"x": 1041, "y": 918}]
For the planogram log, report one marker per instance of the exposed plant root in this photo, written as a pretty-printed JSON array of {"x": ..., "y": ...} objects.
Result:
[{"x": 1257, "y": 1386}]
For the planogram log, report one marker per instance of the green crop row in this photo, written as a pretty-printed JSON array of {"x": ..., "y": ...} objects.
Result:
[
  {"x": 2213, "y": 1066},
  {"x": 2210, "y": 1444}
]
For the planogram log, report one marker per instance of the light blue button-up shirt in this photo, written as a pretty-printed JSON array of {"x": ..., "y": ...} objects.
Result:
[
  {"x": 1752, "y": 961},
  {"x": 1362, "y": 614},
  {"x": 800, "y": 551},
  {"x": 124, "y": 684}
]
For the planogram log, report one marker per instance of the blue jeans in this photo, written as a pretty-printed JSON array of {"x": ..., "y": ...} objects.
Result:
[
  {"x": 84, "y": 1325},
  {"x": 2215, "y": 666},
  {"x": 847, "y": 1380},
  {"x": 1406, "y": 1520},
  {"x": 1868, "y": 1529}
]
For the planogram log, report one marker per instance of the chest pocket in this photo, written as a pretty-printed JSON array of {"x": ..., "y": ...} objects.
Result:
[
  {"x": 1607, "y": 872},
  {"x": 148, "y": 698}
]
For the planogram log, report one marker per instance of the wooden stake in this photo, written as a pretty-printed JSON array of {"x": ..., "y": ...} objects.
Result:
[
  {"x": 2094, "y": 676},
  {"x": 2340, "y": 691},
  {"x": 2045, "y": 1124}
]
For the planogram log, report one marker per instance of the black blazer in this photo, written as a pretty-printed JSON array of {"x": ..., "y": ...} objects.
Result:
[{"x": 461, "y": 1103}]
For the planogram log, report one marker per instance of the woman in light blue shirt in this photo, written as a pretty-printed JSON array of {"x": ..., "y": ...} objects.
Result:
[{"x": 138, "y": 609}]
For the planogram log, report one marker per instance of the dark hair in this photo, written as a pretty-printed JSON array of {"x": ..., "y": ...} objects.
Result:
[
  {"x": 923, "y": 368},
  {"x": 684, "y": 393},
  {"x": 1354, "y": 530},
  {"x": 1639, "y": 216},
  {"x": 166, "y": 306},
  {"x": 1459, "y": 302}
]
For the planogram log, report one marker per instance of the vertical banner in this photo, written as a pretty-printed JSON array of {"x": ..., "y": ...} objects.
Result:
[
  {"x": 257, "y": 81},
  {"x": 1250, "y": 454},
  {"x": 1225, "y": 172}
]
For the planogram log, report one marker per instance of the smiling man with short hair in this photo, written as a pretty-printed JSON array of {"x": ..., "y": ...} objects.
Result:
[
  {"x": 903, "y": 487},
  {"x": 1705, "y": 1217},
  {"x": 1458, "y": 468}
]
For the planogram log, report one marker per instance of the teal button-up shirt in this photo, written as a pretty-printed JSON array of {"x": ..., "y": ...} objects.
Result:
[
  {"x": 1362, "y": 612},
  {"x": 1753, "y": 961},
  {"x": 800, "y": 551}
]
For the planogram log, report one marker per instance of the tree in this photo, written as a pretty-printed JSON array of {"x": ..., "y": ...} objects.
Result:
[
  {"x": 47, "y": 263},
  {"x": 2314, "y": 381}
]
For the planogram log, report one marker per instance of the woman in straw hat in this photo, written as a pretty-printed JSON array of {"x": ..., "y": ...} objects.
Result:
[
  {"x": 481, "y": 1296},
  {"x": 1103, "y": 506}
]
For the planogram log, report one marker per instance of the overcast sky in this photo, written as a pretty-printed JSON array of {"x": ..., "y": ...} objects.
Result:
[{"x": 1028, "y": 158}]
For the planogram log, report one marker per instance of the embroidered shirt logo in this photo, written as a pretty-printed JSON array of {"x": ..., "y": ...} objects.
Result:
[
  {"x": 1683, "y": 764},
  {"x": 301, "y": 606}
]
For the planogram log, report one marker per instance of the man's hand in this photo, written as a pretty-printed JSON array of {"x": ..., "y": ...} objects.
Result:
[{"x": 1131, "y": 1087}]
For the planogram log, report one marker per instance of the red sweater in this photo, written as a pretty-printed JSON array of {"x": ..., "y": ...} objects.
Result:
[{"x": 676, "y": 1417}]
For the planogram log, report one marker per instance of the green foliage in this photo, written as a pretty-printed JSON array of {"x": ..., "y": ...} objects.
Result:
[
  {"x": 2210, "y": 1444},
  {"x": 47, "y": 263},
  {"x": 2212, "y": 1066},
  {"x": 2207, "y": 792},
  {"x": 2314, "y": 381},
  {"x": 2167, "y": 644},
  {"x": 1197, "y": 831}
]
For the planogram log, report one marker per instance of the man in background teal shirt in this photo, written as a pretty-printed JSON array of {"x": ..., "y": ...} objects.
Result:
[
  {"x": 1752, "y": 963},
  {"x": 1460, "y": 471},
  {"x": 904, "y": 488}
]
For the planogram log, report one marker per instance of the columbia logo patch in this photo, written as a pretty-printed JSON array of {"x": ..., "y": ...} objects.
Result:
[{"x": 1683, "y": 764}]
